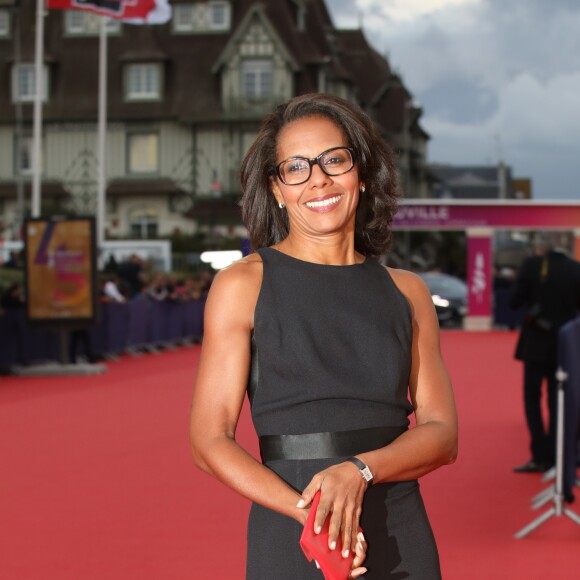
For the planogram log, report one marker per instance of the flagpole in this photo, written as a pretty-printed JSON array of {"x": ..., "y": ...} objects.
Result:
[
  {"x": 102, "y": 133},
  {"x": 37, "y": 111}
]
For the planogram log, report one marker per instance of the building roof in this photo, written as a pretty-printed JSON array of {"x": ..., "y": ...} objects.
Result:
[
  {"x": 473, "y": 181},
  {"x": 380, "y": 90},
  {"x": 192, "y": 84}
]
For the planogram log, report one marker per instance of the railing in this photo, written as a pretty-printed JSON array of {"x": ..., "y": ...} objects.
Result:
[{"x": 140, "y": 325}]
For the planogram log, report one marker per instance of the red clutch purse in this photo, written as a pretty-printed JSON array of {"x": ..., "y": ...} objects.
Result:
[{"x": 315, "y": 546}]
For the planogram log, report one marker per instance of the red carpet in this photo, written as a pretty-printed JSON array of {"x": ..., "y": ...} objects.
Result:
[
  {"x": 478, "y": 504},
  {"x": 96, "y": 480}
]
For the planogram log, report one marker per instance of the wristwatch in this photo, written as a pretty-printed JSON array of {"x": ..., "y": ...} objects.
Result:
[{"x": 364, "y": 469}]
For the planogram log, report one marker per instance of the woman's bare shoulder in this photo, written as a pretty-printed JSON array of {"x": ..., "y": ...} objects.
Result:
[
  {"x": 411, "y": 286},
  {"x": 406, "y": 279},
  {"x": 240, "y": 280}
]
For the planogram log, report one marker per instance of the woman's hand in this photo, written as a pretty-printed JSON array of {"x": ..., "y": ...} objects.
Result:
[
  {"x": 341, "y": 494},
  {"x": 360, "y": 554}
]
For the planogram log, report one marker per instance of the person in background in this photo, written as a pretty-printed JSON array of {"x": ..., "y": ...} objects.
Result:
[
  {"x": 129, "y": 272},
  {"x": 110, "y": 291},
  {"x": 548, "y": 286},
  {"x": 176, "y": 288},
  {"x": 158, "y": 287},
  {"x": 111, "y": 267},
  {"x": 330, "y": 346}
]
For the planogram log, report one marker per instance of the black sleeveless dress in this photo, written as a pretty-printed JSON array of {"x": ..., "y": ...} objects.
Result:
[{"x": 332, "y": 352}]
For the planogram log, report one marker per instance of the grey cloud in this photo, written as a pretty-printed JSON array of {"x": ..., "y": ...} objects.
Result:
[
  {"x": 538, "y": 7},
  {"x": 507, "y": 67},
  {"x": 460, "y": 100}
]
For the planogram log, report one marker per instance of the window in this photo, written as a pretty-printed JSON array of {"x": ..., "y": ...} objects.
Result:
[
  {"x": 24, "y": 83},
  {"x": 183, "y": 17},
  {"x": 257, "y": 80},
  {"x": 23, "y": 155},
  {"x": 74, "y": 21},
  {"x": 4, "y": 24},
  {"x": 83, "y": 23},
  {"x": 144, "y": 224},
  {"x": 202, "y": 17},
  {"x": 143, "y": 82},
  {"x": 219, "y": 15},
  {"x": 113, "y": 26},
  {"x": 143, "y": 152}
]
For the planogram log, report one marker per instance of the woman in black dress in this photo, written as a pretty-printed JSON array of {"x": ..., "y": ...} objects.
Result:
[{"x": 334, "y": 350}]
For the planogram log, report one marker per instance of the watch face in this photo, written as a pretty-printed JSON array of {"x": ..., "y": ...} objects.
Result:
[{"x": 366, "y": 473}]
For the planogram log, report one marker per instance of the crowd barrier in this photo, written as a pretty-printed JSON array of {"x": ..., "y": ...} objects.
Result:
[
  {"x": 142, "y": 324},
  {"x": 121, "y": 328}
]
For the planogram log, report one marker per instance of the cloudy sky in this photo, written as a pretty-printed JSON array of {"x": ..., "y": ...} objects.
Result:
[{"x": 495, "y": 78}]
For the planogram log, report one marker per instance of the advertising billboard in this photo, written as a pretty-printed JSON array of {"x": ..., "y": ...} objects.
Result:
[{"x": 61, "y": 284}]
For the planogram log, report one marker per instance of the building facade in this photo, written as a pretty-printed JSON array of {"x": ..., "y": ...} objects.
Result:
[
  {"x": 478, "y": 182},
  {"x": 184, "y": 103}
]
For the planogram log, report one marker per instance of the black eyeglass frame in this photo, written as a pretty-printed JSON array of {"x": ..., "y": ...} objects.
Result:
[{"x": 316, "y": 161}]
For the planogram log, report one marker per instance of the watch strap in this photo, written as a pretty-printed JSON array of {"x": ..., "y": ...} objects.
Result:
[{"x": 364, "y": 469}]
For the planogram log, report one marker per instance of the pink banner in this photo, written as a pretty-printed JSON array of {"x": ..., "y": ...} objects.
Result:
[
  {"x": 499, "y": 214},
  {"x": 479, "y": 256}
]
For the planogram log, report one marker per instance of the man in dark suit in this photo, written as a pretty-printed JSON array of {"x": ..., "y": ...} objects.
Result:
[{"x": 548, "y": 285}]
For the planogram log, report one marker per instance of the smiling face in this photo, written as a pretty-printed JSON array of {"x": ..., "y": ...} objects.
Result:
[{"x": 323, "y": 204}]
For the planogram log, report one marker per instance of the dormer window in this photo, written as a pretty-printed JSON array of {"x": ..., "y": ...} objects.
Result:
[
  {"x": 74, "y": 21},
  {"x": 213, "y": 16},
  {"x": 183, "y": 18},
  {"x": 4, "y": 24},
  {"x": 24, "y": 83},
  {"x": 143, "y": 82},
  {"x": 219, "y": 15},
  {"x": 257, "y": 80},
  {"x": 83, "y": 23}
]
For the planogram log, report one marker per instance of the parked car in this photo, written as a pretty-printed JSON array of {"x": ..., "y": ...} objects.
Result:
[{"x": 449, "y": 295}]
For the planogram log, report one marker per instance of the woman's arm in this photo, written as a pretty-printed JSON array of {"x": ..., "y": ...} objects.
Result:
[
  {"x": 433, "y": 441},
  {"x": 219, "y": 394},
  {"x": 220, "y": 389},
  {"x": 429, "y": 445}
]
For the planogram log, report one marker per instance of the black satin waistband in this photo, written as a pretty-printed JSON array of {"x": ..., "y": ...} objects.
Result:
[{"x": 326, "y": 445}]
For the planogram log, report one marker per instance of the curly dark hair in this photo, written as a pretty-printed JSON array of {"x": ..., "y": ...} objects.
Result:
[{"x": 375, "y": 160}]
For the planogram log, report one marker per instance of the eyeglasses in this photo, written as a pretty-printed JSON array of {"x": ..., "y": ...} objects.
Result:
[{"x": 297, "y": 170}]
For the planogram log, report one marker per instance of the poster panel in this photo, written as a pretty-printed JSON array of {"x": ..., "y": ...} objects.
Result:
[
  {"x": 61, "y": 270},
  {"x": 479, "y": 260}
]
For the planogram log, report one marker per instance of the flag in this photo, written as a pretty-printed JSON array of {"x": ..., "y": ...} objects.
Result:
[
  {"x": 160, "y": 14},
  {"x": 132, "y": 11}
]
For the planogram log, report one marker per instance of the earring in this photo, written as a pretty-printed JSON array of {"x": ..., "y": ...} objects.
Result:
[
  {"x": 362, "y": 189},
  {"x": 281, "y": 205}
]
